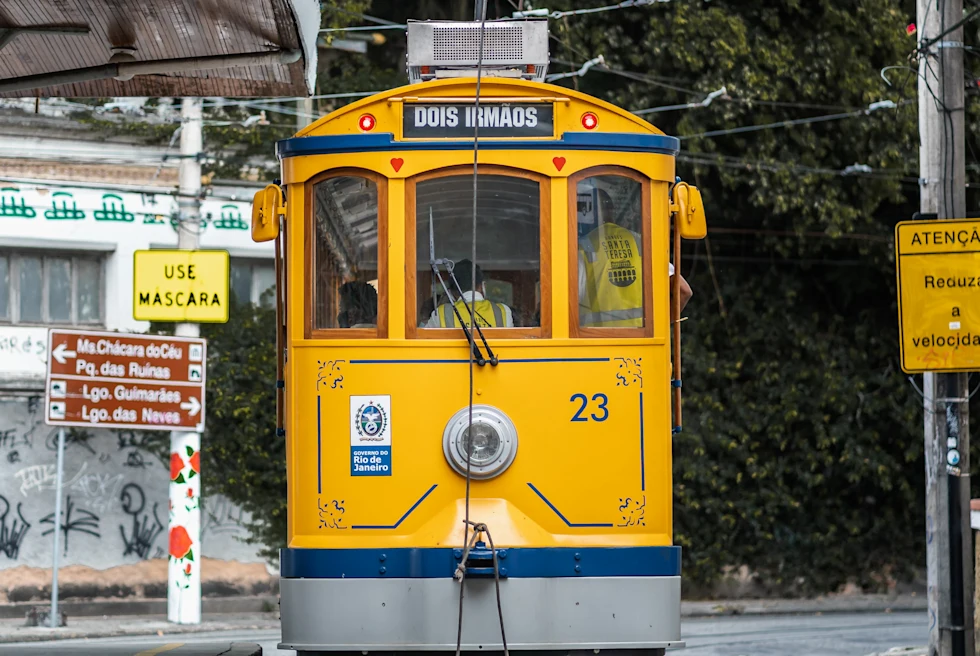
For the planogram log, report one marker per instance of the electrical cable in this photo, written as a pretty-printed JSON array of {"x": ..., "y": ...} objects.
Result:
[
  {"x": 468, "y": 442},
  {"x": 856, "y": 170},
  {"x": 872, "y": 108}
]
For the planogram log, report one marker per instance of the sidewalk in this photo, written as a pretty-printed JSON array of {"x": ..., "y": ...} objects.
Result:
[
  {"x": 128, "y": 625},
  {"x": 108, "y": 625}
]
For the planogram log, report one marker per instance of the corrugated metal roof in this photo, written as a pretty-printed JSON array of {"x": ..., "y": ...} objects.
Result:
[{"x": 43, "y": 37}]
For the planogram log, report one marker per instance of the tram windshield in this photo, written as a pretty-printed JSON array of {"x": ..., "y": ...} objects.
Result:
[
  {"x": 345, "y": 216},
  {"x": 508, "y": 250}
]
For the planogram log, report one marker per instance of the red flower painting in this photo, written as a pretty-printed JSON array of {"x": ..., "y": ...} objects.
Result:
[
  {"x": 180, "y": 543},
  {"x": 187, "y": 570},
  {"x": 195, "y": 462},
  {"x": 176, "y": 465}
]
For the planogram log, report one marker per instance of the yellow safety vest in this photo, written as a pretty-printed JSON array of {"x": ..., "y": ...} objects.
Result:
[
  {"x": 488, "y": 314},
  {"x": 614, "y": 278}
]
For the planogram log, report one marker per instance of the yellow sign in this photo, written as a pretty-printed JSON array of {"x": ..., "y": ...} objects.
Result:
[
  {"x": 938, "y": 265},
  {"x": 185, "y": 286}
]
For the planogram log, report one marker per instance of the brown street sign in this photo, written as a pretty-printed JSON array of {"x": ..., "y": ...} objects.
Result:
[{"x": 121, "y": 380}]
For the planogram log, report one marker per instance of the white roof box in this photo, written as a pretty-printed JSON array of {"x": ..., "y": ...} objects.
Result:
[{"x": 511, "y": 48}]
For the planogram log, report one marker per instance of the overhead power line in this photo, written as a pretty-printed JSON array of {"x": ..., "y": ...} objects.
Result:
[
  {"x": 627, "y": 4},
  {"x": 872, "y": 108},
  {"x": 854, "y": 170}
]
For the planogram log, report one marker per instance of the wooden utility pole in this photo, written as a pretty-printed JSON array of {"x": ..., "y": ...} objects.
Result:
[{"x": 942, "y": 170}]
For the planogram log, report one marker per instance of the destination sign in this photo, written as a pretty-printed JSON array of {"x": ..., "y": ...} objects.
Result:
[
  {"x": 119, "y": 380},
  {"x": 444, "y": 120},
  {"x": 938, "y": 270}
]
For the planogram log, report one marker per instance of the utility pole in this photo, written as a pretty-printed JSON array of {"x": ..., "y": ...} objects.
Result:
[
  {"x": 304, "y": 110},
  {"x": 942, "y": 169},
  {"x": 184, "y": 578}
]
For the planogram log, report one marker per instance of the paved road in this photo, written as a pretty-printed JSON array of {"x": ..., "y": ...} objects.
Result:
[
  {"x": 804, "y": 635},
  {"x": 796, "y": 635}
]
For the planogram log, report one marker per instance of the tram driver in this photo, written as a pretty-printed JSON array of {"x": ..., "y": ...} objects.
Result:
[
  {"x": 489, "y": 314},
  {"x": 609, "y": 262}
]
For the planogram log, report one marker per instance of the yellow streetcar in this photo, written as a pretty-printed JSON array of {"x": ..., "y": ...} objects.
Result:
[{"x": 477, "y": 406}]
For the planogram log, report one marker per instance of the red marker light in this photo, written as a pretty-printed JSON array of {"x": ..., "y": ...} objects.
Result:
[
  {"x": 366, "y": 123},
  {"x": 590, "y": 121}
]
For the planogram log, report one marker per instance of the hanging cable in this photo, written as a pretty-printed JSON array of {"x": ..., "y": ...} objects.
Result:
[
  {"x": 478, "y": 528},
  {"x": 469, "y": 435}
]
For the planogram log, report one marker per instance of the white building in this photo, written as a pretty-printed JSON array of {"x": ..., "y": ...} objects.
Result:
[{"x": 74, "y": 208}]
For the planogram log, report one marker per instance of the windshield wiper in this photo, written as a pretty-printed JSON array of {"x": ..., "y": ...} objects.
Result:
[{"x": 434, "y": 264}]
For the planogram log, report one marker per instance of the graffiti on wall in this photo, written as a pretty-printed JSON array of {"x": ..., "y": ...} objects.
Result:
[{"x": 114, "y": 508}]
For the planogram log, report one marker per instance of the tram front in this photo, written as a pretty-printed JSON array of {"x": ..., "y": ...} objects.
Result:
[{"x": 477, "y": 389}]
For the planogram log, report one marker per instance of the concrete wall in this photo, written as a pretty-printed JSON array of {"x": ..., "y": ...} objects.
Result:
[{"x": 115, "y": 505}]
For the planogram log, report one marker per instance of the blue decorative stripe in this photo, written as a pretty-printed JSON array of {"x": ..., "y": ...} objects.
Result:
[
  {"x": 502, "y": 360},
  {"x": 643, "y": 462},
  {"x": 519, "y": 562},
  {"x": 402, "y": 518},
  {"x": 319, "y": 458},
  {"x": 563, "y": 518},
  {"x": 360, "y": 143}
]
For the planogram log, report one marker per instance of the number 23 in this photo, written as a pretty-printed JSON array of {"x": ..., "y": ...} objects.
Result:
[{"x": 600, "y": 397}]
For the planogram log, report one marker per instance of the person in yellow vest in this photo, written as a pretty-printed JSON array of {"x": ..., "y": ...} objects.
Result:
[
  {"x": 610, "y": 273},
  {"x": 489, "y": 314}
]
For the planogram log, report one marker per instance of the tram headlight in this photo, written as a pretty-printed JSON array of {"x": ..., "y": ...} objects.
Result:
[
  {"x": 590, "y": 121},
  {"x": 482, "y": 443},
  {"x": 491, "y": 443}
]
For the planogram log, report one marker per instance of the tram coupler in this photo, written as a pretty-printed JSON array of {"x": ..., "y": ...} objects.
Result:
[{"x": 479, "y": 561}]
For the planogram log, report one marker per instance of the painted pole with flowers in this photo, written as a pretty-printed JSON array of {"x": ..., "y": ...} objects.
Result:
[
  {"x": 184, "y": 578},
  {"x": 184, "y": 575}
]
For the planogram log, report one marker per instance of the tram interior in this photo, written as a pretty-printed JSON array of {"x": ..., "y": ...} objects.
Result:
[
  {"x": 346, "y": 256},
  {"x": 508, "y": 240}
]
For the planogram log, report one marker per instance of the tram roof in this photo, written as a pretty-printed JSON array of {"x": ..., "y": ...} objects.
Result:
[
  {"x": 78, "y": 48},
  {"x": 490, "y": 88}
]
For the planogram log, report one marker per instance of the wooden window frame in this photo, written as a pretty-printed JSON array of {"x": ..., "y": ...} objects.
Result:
[
  {"x": 413, "y": 331},
  {"x": 310, "y": 330},
  {"x": 574, "y": 329}
]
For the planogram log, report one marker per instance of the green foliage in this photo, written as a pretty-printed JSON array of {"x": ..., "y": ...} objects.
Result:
[
  {"x": 801, "y": 456},
  {"x": 242, "y": 457}
]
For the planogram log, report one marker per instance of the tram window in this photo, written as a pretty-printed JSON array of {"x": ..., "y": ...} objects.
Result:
[
  {"x": 345, "y": 211},
  {"x": 508, "y": 248},
  {"x": 609, "y": 222}
]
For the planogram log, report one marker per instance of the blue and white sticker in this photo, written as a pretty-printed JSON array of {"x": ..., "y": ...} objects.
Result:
[{"x": 370, "y": 435}]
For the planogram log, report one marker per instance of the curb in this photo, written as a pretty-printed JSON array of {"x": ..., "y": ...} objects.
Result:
[
  {"x": 115, "y": 607},
  {"x": 242, "y": 649},
  {"x": 857, "y": 604},
  {"x": 144, "y": 626}
]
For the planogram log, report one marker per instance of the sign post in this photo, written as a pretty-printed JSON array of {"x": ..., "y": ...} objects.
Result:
[
  {"x": 119, "y": 380},
  {"x": 54, "y": 620},
  {"x": 939, "y": 324}
]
